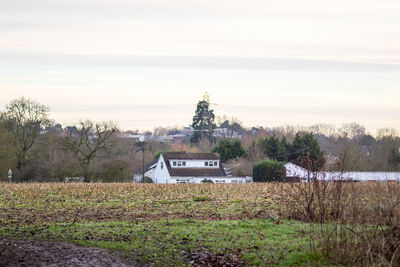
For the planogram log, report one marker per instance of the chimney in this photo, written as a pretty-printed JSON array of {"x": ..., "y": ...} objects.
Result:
[{"x": 183, "y": 147}]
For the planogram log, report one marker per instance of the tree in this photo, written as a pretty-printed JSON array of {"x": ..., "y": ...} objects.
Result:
[
  {"x": 203, "y": 121},
  {"x": 255, "y": 152},
  {"x": 269, "y": 171},
  {"x": 86, "y": 139},
  {"x": 24, "y": 119},
  {"x": 306, "y": 152},
  {"x": 274, "y": 149},
  {"x": 394, "y": 158},
  {"x": 367, "y": 140},
  {"x": 229, "y": 150},
  {"x": 113, "y": 170},
  {"x": 49, "y": 160},
  {"x": 351, "y": 158},
  {"x": 352, "y": 130},
  {"x": 323, "y": 129},
  {"x": 230, "y": 127},
  {"x": 7, "y": 152}
]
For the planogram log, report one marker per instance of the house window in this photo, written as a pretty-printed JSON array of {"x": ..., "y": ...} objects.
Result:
[
  {"x": 174, "y": 163},
  {"x": 182, "y": 181},
  {"x": 215, "y": 163},
  {"x": 210, "y": 164},
  {"x": 184, "y": 163},
  {"x": 206, "y": 163},
  {"x": 162, "y": 165},
  {"x": 179, "y": 163}
]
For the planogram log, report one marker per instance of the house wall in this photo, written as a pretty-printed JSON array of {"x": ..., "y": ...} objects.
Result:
[
  {"x": 161, "y": 175},
  {"x": 216, "y": 180},
  {"x": 195, "y": 164},
  {"x": 150, "y": 173},
  {"x": 295, "y": 172}
]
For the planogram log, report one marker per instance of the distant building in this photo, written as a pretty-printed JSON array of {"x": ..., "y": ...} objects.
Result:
[
  {"x": 184, "y": 167},
  {"x": 226, "y": 133},
  {"x": 134, "y": 137},
  {"x": 298, "y": 173}
]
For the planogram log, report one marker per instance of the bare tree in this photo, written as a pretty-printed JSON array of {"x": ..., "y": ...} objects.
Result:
[
  {"x": 86, "y": 139},
  {"x": 25, "y": 118},
  {"x": 229, "y": 126},
  {"x": 352, "y": 130},
  {"x": 323, "y": 128},
  {"x": 7, "y": 151},
  {"x": 387, "y": 132}
]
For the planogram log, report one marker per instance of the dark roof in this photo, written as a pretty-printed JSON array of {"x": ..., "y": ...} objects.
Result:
[
  {"x": 196, "y": 172},
  {"x": 151, "y": 163},
  {"x": 188, "y": 156}
]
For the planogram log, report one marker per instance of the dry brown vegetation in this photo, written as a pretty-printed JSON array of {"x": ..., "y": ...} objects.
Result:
[
  {"x": 58, "y": 202},
  {"x": 354, "y": 223}
]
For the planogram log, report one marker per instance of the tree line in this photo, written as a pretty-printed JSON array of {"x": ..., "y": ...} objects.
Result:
[{"x": 37, "y": 148}]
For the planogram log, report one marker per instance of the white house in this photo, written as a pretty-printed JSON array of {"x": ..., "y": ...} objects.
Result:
[
  {"x": 294, "y": 171},
  {"x": 184, "y": 167}
]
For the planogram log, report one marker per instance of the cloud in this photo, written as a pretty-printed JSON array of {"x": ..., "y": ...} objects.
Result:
[{"x": 244, "y": 63}]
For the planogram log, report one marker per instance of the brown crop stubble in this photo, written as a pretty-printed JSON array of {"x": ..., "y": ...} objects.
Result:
[{"x": 69, "y": 203}]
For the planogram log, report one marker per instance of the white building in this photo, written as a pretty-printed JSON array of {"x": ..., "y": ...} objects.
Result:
[
  {"x": 184, "y": 167},
  {"x": 294, "y": 171}
]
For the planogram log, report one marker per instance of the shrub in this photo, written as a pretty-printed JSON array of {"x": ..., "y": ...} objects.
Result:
[
  {"x": 206, "y": 181},
  {"x": 269, "y": 171},
  {"x": 147, "y": 180}
]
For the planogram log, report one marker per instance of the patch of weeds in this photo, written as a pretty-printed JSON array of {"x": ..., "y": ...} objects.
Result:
[{"x": 200, "y": 198}]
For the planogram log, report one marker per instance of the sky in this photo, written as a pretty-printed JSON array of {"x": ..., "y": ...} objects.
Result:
[{"x": 146, "y": 63}]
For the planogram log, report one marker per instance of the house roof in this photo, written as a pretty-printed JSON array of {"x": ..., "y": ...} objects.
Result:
[
  {"x": 196, "y": 172},
  {"x": 193, "y": 172},
  {"x": 151, "y": 164},
  {"x": 189, "y": 156}
]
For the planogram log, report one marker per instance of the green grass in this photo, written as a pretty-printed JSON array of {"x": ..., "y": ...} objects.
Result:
[
  {"x": 166, "y": 242},
  {"x": 200, "y": 198}
]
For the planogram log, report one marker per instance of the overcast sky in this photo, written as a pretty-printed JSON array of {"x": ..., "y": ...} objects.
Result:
[{"x": 147, "y": 63}]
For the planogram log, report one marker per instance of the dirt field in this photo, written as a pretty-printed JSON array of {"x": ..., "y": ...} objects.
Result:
[{"x": 41, "y": 253}]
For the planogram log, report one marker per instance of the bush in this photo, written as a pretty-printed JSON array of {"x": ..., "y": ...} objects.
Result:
[
  {"x": 147, "y": 180},
  {"x": 206, "y": 181},
  {"x": 269, "y": 171}
]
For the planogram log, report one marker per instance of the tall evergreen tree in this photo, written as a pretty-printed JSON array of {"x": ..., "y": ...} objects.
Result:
[
  {"x": 203, "y": 121},
  {"x": 274, "y": 149},
  {"x": 285, "y": 149}
]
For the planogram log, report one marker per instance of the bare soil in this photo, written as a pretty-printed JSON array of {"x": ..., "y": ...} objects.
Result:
[{"x": 51, "y": 254}]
